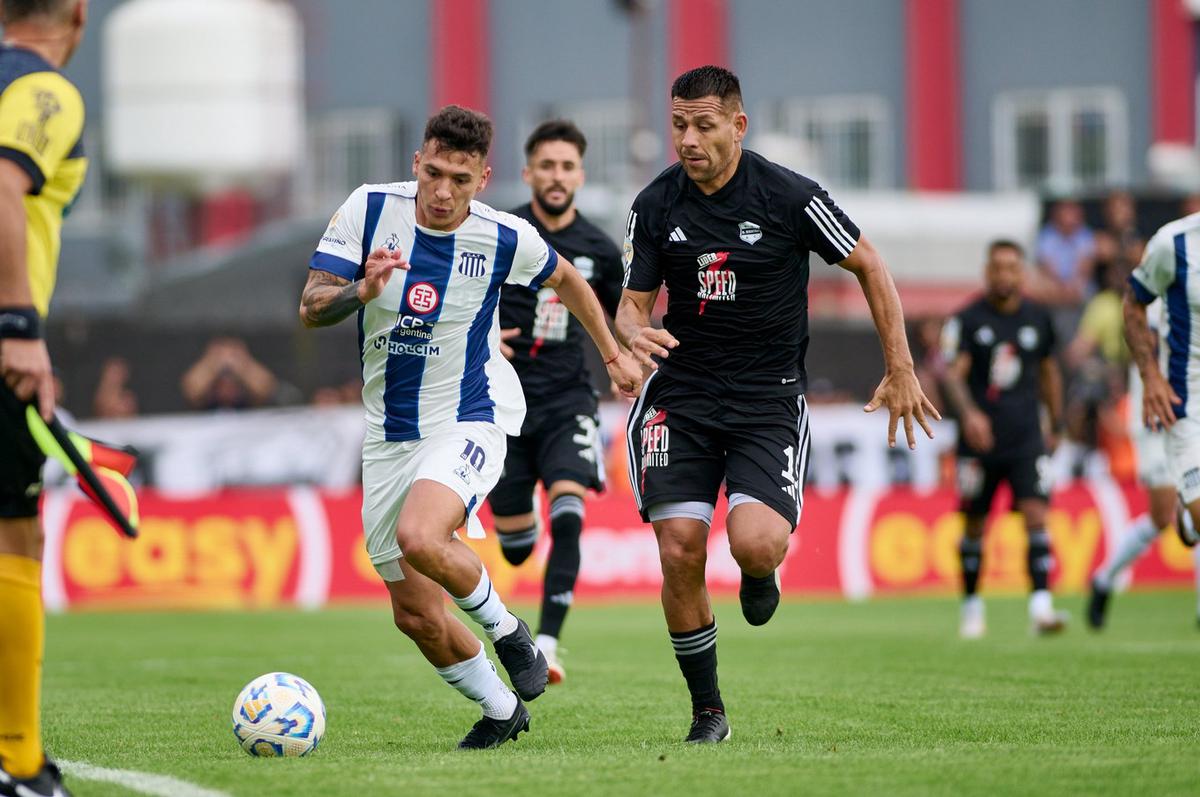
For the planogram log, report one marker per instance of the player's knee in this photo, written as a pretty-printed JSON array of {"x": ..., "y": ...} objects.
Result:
[
  {"x": 418, "y": 548},
  {"x": 759, "y": 556},
  {"x": 680, "y": 554}
]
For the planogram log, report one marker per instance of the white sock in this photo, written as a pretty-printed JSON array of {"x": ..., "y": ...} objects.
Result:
[
  {"x": 484, "y": 606},
  {"x": 1041, "y": 603},
  {"x": 547, "y": 644},
  {"x": 1132, "y": 545},
  {"x": 477, "y": 680},
  {"x": 1196, "y": 561}
]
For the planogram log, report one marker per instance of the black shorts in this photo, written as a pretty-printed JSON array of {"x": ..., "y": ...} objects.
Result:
[
  {"x": 684, "y": 441},
  {"x": 978, "y": 478},
  {"x": 553, "y": 446},
  {"x": 20, "y": 460}
]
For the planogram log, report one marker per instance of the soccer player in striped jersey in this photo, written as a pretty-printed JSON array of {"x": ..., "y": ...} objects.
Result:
[
  {"x": 1170, "y": 270},
  {"x": 730, "y": 233},
  {"x": 439, "y": 397}
]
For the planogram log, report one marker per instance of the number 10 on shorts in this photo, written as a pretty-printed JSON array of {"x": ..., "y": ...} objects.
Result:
[{"x": 474, "y": 455}]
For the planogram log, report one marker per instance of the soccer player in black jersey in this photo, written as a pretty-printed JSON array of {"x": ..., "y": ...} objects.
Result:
[
  {"x": 560, "y": 442},
  {"x": 1002, "y": 368},
  {"x": 729, "y": 233}
]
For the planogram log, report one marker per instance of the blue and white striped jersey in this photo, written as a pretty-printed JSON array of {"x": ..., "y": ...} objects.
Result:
[
  {"x": 429, "y": 342},
  {"x": 1170, "y": 269}
]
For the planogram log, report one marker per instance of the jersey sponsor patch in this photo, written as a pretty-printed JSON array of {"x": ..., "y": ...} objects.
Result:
[
  {"x": 423, "y": 297},
  {"x": 717, "y": 282}
]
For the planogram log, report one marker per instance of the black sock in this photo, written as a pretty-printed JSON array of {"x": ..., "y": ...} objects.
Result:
[
  {"x": 1040, "y": 560},
  {"x": 562, "y": 567},
  {"x": 517, "y": 545},
  {"x": 696, "y": 652},
  {"x": 970, "y": 554}
]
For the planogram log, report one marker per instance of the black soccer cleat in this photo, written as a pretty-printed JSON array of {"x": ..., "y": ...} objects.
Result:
[
  {"x": 525, "y": 664},
  {"x": 759, "y": 597},
  {"x": 1097, "y": 607},
  {"x": 489, "y": 733},
  {"x": 46, "y": 783},
  {"x": 709, "y": 726}
]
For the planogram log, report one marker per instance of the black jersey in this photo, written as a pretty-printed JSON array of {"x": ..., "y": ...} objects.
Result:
[
  {"x": 548, "y": 354},
  {"x": 1006, "y": 352},
  {"x": 735, "y": 264}
]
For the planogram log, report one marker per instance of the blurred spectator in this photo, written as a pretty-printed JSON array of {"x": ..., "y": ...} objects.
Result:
[
  {"x": 227, "y": 377},
  {"x": 931, "y": 360},
  {"x": 1065, "y": 252},
  {"x": 331, "y": 396},
  {"x": 65, "y": 416},
  {"x": 1190, "y": 205},
  {"x": 1120, "y": 222},
  {"x": 113, "y": 397}
]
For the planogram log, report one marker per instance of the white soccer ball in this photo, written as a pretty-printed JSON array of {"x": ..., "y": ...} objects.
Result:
[{"x": 279, "y": 714}]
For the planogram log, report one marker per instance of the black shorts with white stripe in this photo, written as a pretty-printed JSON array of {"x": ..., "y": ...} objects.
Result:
[{"x": 684, "y": 441}]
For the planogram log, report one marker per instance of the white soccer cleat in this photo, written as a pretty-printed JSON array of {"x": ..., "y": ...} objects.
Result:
[
  {"x": 1044, "y": 619},
  {"x": 971, "y": 623}
]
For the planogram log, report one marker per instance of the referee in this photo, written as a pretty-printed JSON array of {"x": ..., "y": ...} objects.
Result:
[
  {"x": 729, "y": 233},
  {"x": 41, "y": 171}
]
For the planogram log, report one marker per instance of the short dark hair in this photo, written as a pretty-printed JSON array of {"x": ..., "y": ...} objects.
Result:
[
  {"x": 460, "y": 130},
  {"x": 708, "y": 81},
  {"x": 1005, "y": 243},
  {"x": 17, "y": 10},
  {"x": 556, "y": 130}
]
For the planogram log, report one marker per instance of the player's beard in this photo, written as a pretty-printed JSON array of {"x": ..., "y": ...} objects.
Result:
[{"x": 551, "y": 209}]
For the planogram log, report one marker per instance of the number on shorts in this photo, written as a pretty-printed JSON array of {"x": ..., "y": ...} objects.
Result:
[{"x": 474, "y": 455}]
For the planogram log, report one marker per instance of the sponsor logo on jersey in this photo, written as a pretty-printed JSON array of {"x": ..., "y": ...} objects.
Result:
[
  {"x": 472, "y": 264},
  {"x": 392, "y": 242},
  {"x": 423, "y": 297},
  {"x": 414, "y": 327},
  {"x": 627, "y": 247},
  {"x": 656, "y": 440},
  {"x": 677, "y": 236},
  {"x": 1004, "y": 371},
  {"x": 749, "y": 232},
  {"x": 585, "y": 266},
  {"x": 550, "y": 319},
  {"x": 399, "y": 347},
  {"x": 717, "y": 283},
  {"x": 1027, "y": 336}
]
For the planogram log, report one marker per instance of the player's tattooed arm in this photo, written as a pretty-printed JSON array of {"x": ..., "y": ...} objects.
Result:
[
  {"x": 634, "y": 330},
  {"x": 1159, "y": 399},
  {"x": 328, "y": 298}
]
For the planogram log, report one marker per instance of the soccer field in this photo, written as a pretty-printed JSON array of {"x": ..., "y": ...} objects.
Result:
[{"x": 828, "y": 698}]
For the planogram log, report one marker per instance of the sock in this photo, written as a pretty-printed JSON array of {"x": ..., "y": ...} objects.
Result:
[
  {"x": 476, "y": 679},
  {"x": 22, "y": 637},
  {"x": 696, "y": 652},
  {"x": 1196, "y": 561},
  {"x": 1136, "y": 540},
  {"x": 547, "y": 644},
  {"x": 1041, "y": 603},
  {"x": 517, "y": 545},
  {"x": 562, "y": 568},
  {"x": 970, "y": 554},
  {"x": 484, "y": 606},
  {"x": 1040, "y": 560}
]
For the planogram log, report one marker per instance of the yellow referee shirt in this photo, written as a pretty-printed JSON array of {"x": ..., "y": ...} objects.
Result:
[{"x": 41, "y": 129}]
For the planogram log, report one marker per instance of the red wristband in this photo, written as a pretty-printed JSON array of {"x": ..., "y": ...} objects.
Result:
[{"x": 615, "y": 357}]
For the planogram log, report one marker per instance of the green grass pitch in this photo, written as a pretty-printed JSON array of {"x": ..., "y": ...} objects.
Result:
[{"x": 829, "y": 698}]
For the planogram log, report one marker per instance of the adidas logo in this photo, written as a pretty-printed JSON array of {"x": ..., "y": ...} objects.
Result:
[{"x": 677, "y": 235}]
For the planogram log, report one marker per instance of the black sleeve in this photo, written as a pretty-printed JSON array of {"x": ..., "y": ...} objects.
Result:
[
  {"x": 821, "y": 226},
  {"x": 640, "y": 254},
  {"x": 608, "y": 277},
  {"x": 1051, "y": 339}
]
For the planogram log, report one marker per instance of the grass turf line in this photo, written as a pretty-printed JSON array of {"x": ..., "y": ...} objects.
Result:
[{"x": 877, "y": 697}]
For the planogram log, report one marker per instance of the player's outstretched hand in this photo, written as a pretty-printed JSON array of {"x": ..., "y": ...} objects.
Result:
[
  {"x": 651, "y": 341},
  {"x": 508, "y": 334},
  {"x": 901, "y": 393},
  {"x": 25, "y": 366},
  {"x": 378, "y": 270},
  {"x": 626, "y": 374},
  {"x": 1159, "y": 400}
]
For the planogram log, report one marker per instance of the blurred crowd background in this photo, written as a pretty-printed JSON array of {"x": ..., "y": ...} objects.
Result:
[{"x": 223, "y": 134}]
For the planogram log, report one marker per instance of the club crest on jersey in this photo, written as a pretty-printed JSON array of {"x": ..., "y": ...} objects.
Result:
[
  {"x": 423, "y": 297},
  {"x": 717, "y": 283},
  {"x": 1027, "y": 336},
  {"x": 472, "y": 264},
  {"x": 749, "y": 232}
]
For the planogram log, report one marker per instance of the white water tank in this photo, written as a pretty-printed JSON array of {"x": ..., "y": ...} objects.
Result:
[{"x": 203, "y": 91}]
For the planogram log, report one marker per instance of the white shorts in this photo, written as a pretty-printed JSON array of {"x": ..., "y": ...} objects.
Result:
[
  {"x": 1183, "y": 454},
  {"x": 1152, "y": 466},
  {"x": 466, "y": 457}
]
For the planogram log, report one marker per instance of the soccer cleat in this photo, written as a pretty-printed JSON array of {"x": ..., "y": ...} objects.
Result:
[
  {"x": 555, "y": 670},
  {"x": 1097, "y": 606},
  {"x": 1050, "y": 623},
  {"x": 971, "y": 622},
  {"x": 709, "y": 726},
  {"x": 525, "y": 664},
  {"x": 46, "y": 783},
  {"x": 489, "y": 732},
  {"x": 759, "y": 597},
  {"x": 1184, "y": 526}
]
